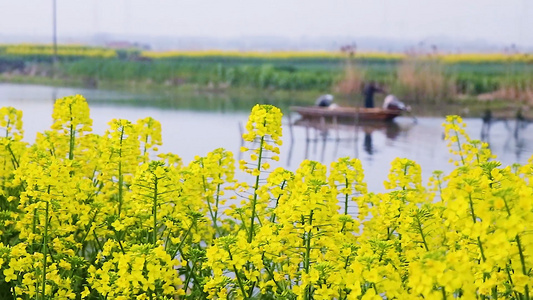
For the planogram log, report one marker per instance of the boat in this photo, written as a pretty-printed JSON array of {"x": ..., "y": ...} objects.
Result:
[{"x": 347, "y": 113}]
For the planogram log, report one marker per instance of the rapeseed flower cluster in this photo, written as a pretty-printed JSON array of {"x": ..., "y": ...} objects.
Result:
[
  {"x": 87, "y": 216},
  {"x": 61, "y": 50},
  {"x": 455, "y": 58}
]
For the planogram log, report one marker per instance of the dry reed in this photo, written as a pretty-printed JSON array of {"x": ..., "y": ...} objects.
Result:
[
  {"x": 352, "y": 81},
  {"x": 423, "y": 79}
]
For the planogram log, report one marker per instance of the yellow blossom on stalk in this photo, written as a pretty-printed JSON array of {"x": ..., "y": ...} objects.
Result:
[
  {"x": 149, "y": 131},
  {"x": 49, "y": 183},
  {"x": 212, "y": 176},
  {"x": 11, "y": 145},
  {"x": 23, "y": 271},
  {"x": 71, "y": 121},
  {"x": 153, "y": 199},
  {"x": 234, "y": 254},
  {"x": 171, "y": 160},
  {"x": 264, "y": 130},
  {"x": 307, "y": 223},
  {"x": 120, "y": 158},
  {"x": 455, "y": 134},
  {"x": 348, "y": 177},
  {"x": 264, "y": 120},
  {"x": 12, "y": 149},
  {"x": 459, "y": 143},
  {"x": 436, "y": 183},
  {"x": 71, "y": 113},
  {"x": 142, "y": 270},
  {"x": 405, "y": 174},
  {"x": 270, "y": 194},
  {"x": 11, "y": 122}
]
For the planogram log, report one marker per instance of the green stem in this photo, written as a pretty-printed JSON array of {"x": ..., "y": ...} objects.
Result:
[
  {"x": 34, "y": 229},
  {"x": 308, "y": 244},
  {"x": 375, "y": 288},
  {"x": 346, "y": 198},
  {"x": 459, "y": 144},
  {"x": 520, "y": 251},
  {"x": 507, "y": 268},
  {"x": 100, "y": 248},
  {"x": 7, "y": 128},
  {"x": 120, "y": 177},
  {"x": 45, "y": 249},
  {"x": 120, "y": 244},
  {"x": 421, "y": 232},
  {"x": 188, "y": 278},
  {"x": 307, "y": 258},
  {"x": 154, "y": 238},
  {"x": 72, "y": 135},
  {"x": 238, "y": 276},
  {"x": 194, "y": 278},
  {"x": 145, "y": 142},
  {"x": 15, "y": 161},
  {"x": 212, "y": 213},
  {"x": 118, "y": 239},
  {"x": 271, "y": 274},
  {"x": 183, "y": 240},
  {"x": 88, "y": 228},
  {"x": 243, "y": 223},
  {"x": 405, "y": 174},
  {"x": 440, "y": 189},
  {"x": 480, "y": 245},
  {"x": 256, "y": 187},
  {"x": 71, "y": 142},
  {"x": 523, "y": 262},
  {"x": 273, "y": 217},
  {"x": 481, "y": 249},
  {"x": 217, "y": 200}
]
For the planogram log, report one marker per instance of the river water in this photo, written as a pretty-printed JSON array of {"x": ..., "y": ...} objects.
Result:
[{"x": 195, "y": 125}]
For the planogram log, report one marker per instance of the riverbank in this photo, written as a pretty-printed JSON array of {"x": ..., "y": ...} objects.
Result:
[
  {"x": 242, "y": 98},
  {"x": 421, "y": 78},
  {"x": 149, "y": 87}
]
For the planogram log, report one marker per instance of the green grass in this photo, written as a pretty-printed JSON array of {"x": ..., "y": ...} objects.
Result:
[{"x": 244, "y": 74}]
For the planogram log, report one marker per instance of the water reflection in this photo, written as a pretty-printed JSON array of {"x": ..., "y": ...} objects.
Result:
[
  {"x": 367, "y": 145},
  {"x": 515, "y": 128},
  {"x": 321, "y": 133},
  {"x": 197, "y": 124}
]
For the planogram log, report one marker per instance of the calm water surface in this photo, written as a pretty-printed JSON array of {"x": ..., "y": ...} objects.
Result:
[{"x": 195, "y": 126}]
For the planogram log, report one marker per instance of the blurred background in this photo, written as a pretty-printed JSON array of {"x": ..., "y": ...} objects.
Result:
[{"x": 200, "y": 66}]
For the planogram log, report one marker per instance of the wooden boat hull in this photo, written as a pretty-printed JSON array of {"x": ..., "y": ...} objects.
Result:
[{"x": 347, "y": 113}]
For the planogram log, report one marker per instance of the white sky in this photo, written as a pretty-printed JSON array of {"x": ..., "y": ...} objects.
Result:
[{"x": 502, "y": 21}]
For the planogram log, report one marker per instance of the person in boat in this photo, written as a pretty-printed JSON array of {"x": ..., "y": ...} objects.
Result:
[
  {"x": 391, "y": 102},
  {"x": 369, "y": 90},
  {"x": 325, "y": 101}
]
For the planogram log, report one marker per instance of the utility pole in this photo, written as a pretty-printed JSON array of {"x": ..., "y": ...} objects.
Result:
[{"x": 54, "y": 62}]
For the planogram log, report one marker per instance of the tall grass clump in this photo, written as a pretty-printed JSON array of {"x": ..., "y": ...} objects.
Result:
[
  {"x": 516, "y": 85},
  {"x": 423, "y": 79},
  {"x": 352, "y": 80}
]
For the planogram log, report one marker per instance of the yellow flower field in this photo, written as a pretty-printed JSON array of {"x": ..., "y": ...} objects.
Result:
[
  {"x": 87, "y": 216},
  {"x": 273, "y": 54},
  {"x": 62, "y": 50},
  {"x": 101, "y": 52}
]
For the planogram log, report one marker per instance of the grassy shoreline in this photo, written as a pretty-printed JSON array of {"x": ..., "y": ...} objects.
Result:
[
  {"x": 419, "y": 78},
  {"x": 467, "y": 106}
]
